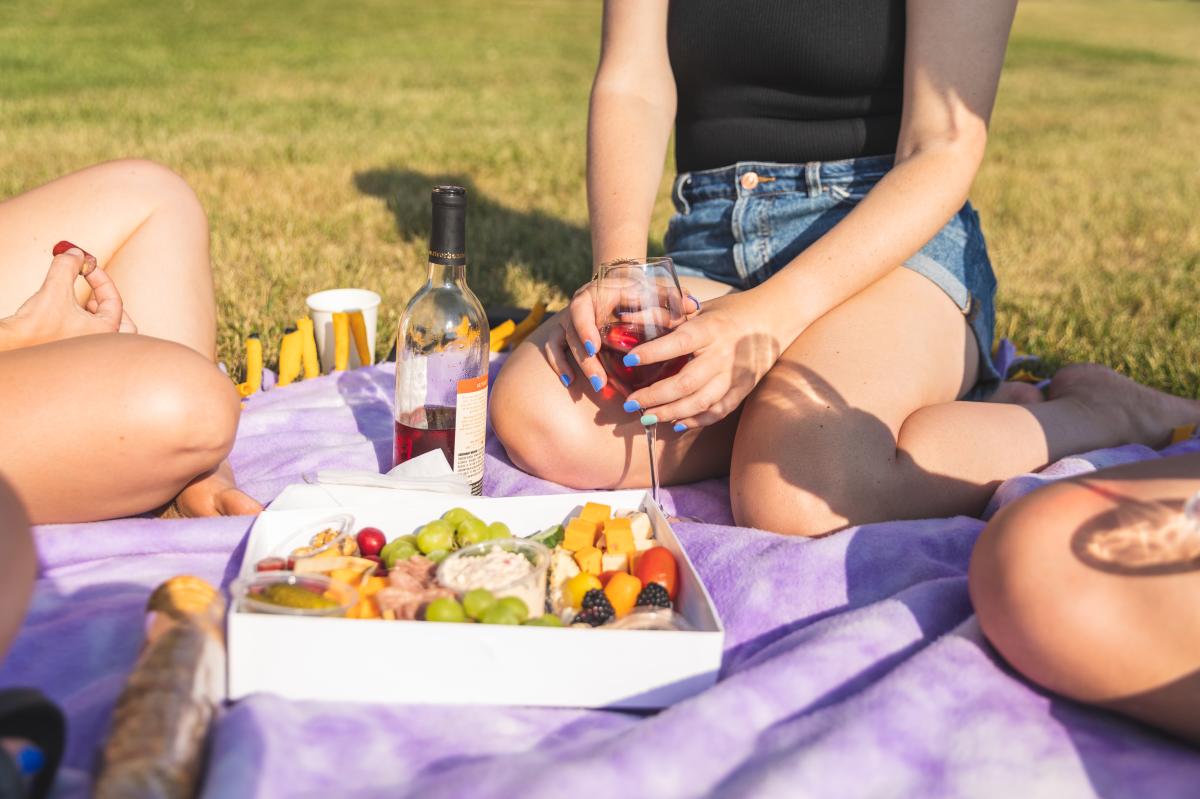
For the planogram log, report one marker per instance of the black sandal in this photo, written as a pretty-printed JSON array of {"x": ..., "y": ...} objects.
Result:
[{"x": 26, "y": 713}]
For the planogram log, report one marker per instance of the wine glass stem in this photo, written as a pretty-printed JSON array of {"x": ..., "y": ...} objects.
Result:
[{"x": 651, "y": 437}]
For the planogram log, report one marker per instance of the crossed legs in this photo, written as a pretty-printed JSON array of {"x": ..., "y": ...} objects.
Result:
[
  {"x": 109, "y": 425},
  {"x": 859, "y": 421}
]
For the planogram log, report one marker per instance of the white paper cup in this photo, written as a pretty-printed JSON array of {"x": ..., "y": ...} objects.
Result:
[{"x": 324, "y": 304}]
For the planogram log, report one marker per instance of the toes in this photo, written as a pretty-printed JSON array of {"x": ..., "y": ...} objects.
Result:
[{"x": 233, "y": 502}]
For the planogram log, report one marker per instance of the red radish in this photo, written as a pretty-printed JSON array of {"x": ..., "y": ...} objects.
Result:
[
  {"x": 370, "y": 541},
  {"x": 270, "y": 565}
]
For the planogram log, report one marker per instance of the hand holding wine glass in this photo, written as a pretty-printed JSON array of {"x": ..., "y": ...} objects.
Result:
[
  {"x": 637, "y": 302},
  {"x": 727, "y": 350}
]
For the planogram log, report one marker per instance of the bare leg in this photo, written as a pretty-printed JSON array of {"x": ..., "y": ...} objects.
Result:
[
  {"x": 857, "y": 422},
  {"x": 17, "y": 568},
  {"x": 583, "y": 439},
  {"x": 148, "y": 230},
  {"x": 105, "y": 426},
  {"x": 145, "y": 227},
  {"x": 1116, "y": 631}
]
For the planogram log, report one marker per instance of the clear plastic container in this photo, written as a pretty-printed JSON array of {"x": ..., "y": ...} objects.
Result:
[
  {"x": 643, "y": 618},
  {"x": 342, "y": 542},
  {"x": 490, "y": 565},
  {"x": 244, "y": 590}
]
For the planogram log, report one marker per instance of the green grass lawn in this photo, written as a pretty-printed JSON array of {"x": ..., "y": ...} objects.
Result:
[{"x": 312, "y": 130}]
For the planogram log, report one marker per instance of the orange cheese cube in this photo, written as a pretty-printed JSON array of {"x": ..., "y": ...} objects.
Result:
[
  {"x": 618, "y": 537},
  {"x": 580, "y": 534},
  {"x": 596, "y": 512},
  {"x": 589, "y": 560}
]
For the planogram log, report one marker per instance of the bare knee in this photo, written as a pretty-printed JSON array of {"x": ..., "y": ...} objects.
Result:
[
  {"x": 1049, "y": 618},
  {"x": 160, "y": 189},
  {"x": 191, "y": 406},
  {"x": 554, "y": 433},
  {"x": 761, "y": 499}
]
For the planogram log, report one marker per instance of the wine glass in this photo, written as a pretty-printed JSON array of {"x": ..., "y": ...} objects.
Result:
[{"x": 637, "y": 300}]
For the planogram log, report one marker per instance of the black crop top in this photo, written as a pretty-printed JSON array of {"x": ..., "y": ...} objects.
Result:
[{"x": 785, "y": 81}]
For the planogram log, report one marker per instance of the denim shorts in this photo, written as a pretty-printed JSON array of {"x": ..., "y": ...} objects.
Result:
[{"x": 741, "y": 224}]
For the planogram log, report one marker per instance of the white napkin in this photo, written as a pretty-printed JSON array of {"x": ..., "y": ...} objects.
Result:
[{"x": 429, "y": 472}]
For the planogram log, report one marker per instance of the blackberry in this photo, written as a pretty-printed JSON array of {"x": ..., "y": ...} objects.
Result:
[
  {"x": 589, "y": 617},
  {"x": 596, "y": 606},
  {"x": 654, "y": 595}
]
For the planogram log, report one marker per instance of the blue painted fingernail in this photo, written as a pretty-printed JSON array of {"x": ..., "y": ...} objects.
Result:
[
  {"x": 632, "y": 405},
  {"x": 631, "y": 359},
  {"x": 596, "y": 384},
  {"x": 565, "y": 378},
  {"x": 590, "y": 348},
  {"x": 649, "y": 419},
  {"x": 679, "y": 427}
]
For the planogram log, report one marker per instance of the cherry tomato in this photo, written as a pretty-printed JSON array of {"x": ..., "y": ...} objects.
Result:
[{"x": 657, "y": 565}]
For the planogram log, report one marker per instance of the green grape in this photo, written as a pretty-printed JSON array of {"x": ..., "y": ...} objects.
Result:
[
  {"x": 437, "y": 555},
  {"x": 444, "y": 609},
  {"x": 499, "y": 614},
  {"x": 499, "y": 530},
  {"x": 471, "y": 531},
  {"x": 435, "y": 535},
  {"x": 476, "y": 601},
  {"x": 545, "y": 620},
  {"x": 456, "y": 515},
  {"x": 396, "y": 552},
  {"x": 516, "y": 605}
]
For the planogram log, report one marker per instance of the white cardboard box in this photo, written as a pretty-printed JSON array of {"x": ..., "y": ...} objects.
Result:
[{"x": 425, "y": 663}]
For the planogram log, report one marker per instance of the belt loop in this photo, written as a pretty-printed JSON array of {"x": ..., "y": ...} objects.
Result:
[{"x": 812, "y": 178}]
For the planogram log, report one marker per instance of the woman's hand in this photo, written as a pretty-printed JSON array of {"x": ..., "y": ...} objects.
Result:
[
  {"x": 732, "y": 348},
  {"x": 572, "y": 348},
  {"x": 53, "y": 313}
]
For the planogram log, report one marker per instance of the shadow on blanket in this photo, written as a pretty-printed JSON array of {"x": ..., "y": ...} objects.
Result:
[
  {"x": 368, "y": 394},
  {"x": 499, "y": 235}
]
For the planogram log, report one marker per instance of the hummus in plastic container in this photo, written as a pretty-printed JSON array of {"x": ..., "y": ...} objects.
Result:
[{"x": 506, "y": 567}]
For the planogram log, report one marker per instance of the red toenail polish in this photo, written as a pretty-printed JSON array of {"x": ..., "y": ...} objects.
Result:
[{"x": 64, "y": 245}]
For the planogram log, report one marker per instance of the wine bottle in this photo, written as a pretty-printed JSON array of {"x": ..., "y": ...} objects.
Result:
[{"x": 442, "y": 352}]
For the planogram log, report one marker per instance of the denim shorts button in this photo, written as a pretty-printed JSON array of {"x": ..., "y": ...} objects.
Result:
[{"x": 749, "y": 181}]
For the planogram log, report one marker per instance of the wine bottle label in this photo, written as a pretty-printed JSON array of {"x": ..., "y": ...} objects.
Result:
[{"x": 470, "y": 429}]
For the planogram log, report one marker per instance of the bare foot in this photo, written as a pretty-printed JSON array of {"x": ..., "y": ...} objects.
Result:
[
  {"x": 1017, "y": 392},
  {"x": 1139, "y": 413},
  {"x": 215, "y": 494}
]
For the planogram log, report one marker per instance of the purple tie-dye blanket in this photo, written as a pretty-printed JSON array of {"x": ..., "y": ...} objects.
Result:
[{"x": 854, "y": 666}]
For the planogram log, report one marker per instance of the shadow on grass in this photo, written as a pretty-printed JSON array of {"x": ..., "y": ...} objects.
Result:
[{"x": 551, "y": 250}]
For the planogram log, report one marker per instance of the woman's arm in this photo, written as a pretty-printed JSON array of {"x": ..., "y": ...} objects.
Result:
[
  {"x": 18, "y": 567},
  {"x": 629, "y": 124},
  {"x": 953, "y": 55}
]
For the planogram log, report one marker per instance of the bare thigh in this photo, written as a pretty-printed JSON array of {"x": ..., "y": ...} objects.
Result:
[
  {"x": 820, "y": 441},
  {"x": 1067, "y": 591},
  {"x": 579, "y": 438},
  {"x": 143, "y": 224},
  {"x": 106, "y": 426}
]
